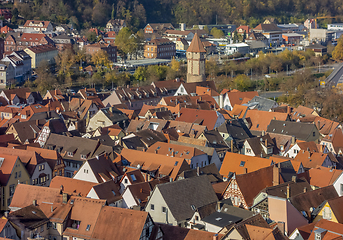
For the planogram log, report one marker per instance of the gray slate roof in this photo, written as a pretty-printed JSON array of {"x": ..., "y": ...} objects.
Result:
[
  {"x": 262, "y": 104},
  {"x": 300, "y": 130},
  {"x": 182, "y": 194}
]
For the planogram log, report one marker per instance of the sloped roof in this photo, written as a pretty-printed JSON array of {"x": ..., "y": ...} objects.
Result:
[
  {"x": 206, "y": 118},
  {"x": 237, "y": 97},
  {"x": 6, "y": 168},
  {"x": 321, "y": 176},
  {"x": 179, "y": 233},
  {"x": 174, "y": 150},
  {"x": 123, "y": 218},
  {"x": 241, "y": 164},
  {"x": 260, "y": 120},
  {"x": 89, "y": 217},
  {"x": 250, "y": 187},
  {"x": 300, "y": 130},
  {"x": 311, "y": 159},
  {"x": 301, "y": 111},
  {"x": 108, "y": 191},
  {"x": 196, "y": 45},
  {"x": 181, "y": 195},
  {"x": 312, "y": 199},
  {"x": 25, "y": 194},
  {"x": 72, "y": 186},
  {"x": 167, "y": 165}
]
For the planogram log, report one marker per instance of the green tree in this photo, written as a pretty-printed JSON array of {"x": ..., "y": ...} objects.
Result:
[
  {"x": 140, "y": 74},
  {"x": 215, "y": 32},
  {"x": 126, "y": 42},
  {"x": 91, "y": 36},
  {"x": 242, "y": 83}
]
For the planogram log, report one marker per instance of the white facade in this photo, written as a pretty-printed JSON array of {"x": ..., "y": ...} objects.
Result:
[
  {"x": 92, "y": 194},
  {"x": 128, "y": 199},
  {"x": 292, "y": 152},
  {"x": 158, "y": 209},
  {"x": 338, "y": 184},
  {"x": 124, "y": 182},
  {"x": 335, "y": 27},
  {"x": 181, "y": 91},
  {"x": 242, "y": 48},
  {"x": 85, "y": 173}
]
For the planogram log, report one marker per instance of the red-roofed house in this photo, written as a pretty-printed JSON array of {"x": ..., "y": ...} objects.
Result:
[
  {"x": 209, "y": 118},
  {"x": 232, "y": 98},
  {"x": 38, "y": 26}
]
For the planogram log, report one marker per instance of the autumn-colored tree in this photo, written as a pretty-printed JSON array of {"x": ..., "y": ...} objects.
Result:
[
  {"x": 100, "y": 59},
  {"x": 175, "y": 64},
  {"x": 337, "y": 53}
]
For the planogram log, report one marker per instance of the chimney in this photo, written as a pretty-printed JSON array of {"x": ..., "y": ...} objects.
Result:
[
  {"x": 281, "y": 226},
  {"x": 305, "y": 189},
  {"x": 293, "y": 140},
  {"x": 287, "y": 191},
  {"x": 6, "y": 214},
  {"x": 246, "y": 170},
  {"x": 266, "y": 142},
  {"x": 149, "y": 177},
  {"x": 52, "y": 208},
  {"x": 263, "y": 133},
  {"x": 183, "y": 26},
  {"x": 276, "y": 175},
  {"x": 294, "y": 179},
  {"x": 215, "y": 236},
  {"x": 198, "y": 171},
  {"x": 61, "y": 189},
  {"x": 110, "y": 109},
  {"x": 34, "y": 202},
  {"x": 288, "y": 110},
  {"x": 64, "y": 198},
  {"x": 221, "y": 101}
]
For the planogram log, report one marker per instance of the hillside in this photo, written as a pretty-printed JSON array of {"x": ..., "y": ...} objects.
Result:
[{"x": 87, "y": 13}]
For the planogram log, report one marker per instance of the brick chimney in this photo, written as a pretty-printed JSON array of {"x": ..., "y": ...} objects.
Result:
[{"x": 276, "y": 175}]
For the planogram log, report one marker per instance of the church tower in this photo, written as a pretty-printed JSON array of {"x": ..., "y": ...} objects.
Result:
[{"x": 196, "y": 61}]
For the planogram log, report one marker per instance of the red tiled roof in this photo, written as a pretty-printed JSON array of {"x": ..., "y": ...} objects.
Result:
[{"x": 196, "y": 45}]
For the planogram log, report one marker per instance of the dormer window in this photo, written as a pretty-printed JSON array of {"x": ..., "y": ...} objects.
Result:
[
  {"x": 70, "y": 154},
  {"x": 83, "y": 157}
]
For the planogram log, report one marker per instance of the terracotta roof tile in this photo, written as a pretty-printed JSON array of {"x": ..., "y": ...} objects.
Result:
[
  {"x": 321, "y": 176},
  {"x": 260, "y": 120},
  {"x": 72, "y": 186},
  {"x": 196, "y": 45},
  {"x": 237, "y": 97},
  {"x": 206, "y": 118},
  {"x": 241, "y": 164}
]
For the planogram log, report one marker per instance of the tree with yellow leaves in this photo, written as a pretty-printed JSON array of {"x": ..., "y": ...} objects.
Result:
[
  {"x": 175, "y": 65},
  {"x": 100, "y": 59},
  {"x": 337, "y": 53}
]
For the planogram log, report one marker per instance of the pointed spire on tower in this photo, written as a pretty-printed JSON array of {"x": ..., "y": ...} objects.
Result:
[{"x": 196, "y": 45}]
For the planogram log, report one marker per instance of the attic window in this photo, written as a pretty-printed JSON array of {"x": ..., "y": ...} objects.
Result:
[
  {"x": 88, "y": 227},
  {"x": 218, "y": 219},
  {"x": 113, "y": 193},
  {"x": 176, "y": 162},
  {"x": 133, "y": 177},
  {"x": 242, "y": 164},
  {"x": 193, "y": 207},
  {"x": 257, "y": 125},
  {"x": 70, "y": 154}
]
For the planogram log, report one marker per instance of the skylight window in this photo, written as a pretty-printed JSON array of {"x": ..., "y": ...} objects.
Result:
[
  {"x": 176, "y": 162},
  {"x": 242, "y": 164},
  {"x": 218, "y": 218},
  {"x": 113, "y": 193},
  {"x": 133, "y": 177},
  {"x": 88, "y": 227}
]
